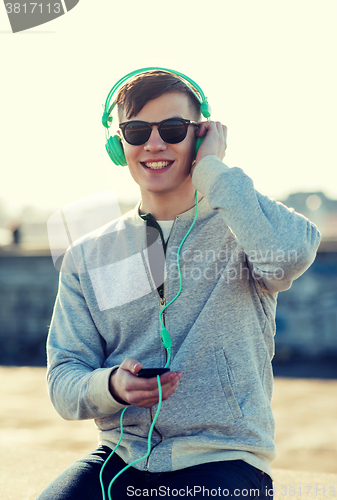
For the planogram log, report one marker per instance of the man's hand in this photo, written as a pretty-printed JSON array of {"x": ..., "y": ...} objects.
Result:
[
  {"x": 214, "y": 143},
  {"x": 126, "y": 387}
]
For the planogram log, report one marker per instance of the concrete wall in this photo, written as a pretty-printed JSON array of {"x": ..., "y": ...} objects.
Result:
[
  {"x": 307, "y": 313},
  {"x": 28, "y": 287},
  {"x": 306, "y": 318}
]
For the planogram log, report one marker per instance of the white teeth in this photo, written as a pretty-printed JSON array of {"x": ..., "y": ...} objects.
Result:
[{"x": 157, "y": 164}]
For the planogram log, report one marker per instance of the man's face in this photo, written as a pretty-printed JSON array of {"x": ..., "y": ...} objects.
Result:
[{"x": 176, "y": 159}]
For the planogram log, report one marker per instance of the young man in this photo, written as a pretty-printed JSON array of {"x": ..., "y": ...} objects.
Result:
[{"x": 215, "y": 429}]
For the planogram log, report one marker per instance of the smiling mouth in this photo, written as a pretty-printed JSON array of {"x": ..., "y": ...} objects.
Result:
[{"x": 157, "y": 165}]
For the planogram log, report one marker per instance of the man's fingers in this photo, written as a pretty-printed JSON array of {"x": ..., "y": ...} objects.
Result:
[
  {"x": 215, "y": 140},
  {"x": 139, "y": 391},
  {"x": 217, "y": 127},
  {"x": 145, "y": 392},
  {"x": 148, "y": 387},
  {"x": 142, "y": 399},
  {"x": 202, "y": 129},
  {"x": 132, "y": 365}
]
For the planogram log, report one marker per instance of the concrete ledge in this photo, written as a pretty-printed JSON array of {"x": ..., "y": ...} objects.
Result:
[
  {"x": 25, "y": 473},
  {"x": 300, "y": 485}
]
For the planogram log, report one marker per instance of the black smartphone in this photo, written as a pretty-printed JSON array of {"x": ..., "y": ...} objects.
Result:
[{"x": 151, "y": 372}]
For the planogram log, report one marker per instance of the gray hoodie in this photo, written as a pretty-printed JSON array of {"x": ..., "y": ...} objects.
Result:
[{"x": 242, "y": 251}]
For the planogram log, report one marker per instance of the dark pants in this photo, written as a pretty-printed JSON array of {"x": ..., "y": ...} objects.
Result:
[{"x": 233, "y": 478}]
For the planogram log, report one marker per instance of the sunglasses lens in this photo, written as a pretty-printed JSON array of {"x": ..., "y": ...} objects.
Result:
[
  {"x": 137, "y": 133},
  {"x": 173, "y": 131}
]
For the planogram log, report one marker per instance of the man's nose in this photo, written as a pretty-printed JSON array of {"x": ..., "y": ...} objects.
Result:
[{"x": 155, "y": 142}]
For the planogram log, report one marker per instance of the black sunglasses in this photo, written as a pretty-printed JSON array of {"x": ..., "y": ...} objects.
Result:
[{"x": 172, "y": 131}]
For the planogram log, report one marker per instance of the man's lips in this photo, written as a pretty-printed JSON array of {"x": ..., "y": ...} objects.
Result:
[{"x": 157, "y": 165}]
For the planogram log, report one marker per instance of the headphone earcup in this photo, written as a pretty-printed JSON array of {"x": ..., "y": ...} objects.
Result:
[
  {"x": 198, "y": 143},
  {"x": 115, "y": 150}
]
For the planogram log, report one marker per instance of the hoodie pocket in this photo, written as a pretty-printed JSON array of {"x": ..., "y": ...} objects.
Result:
[
  {"x": 205, "y": 400},
  {"x": 228, "y": 384}
]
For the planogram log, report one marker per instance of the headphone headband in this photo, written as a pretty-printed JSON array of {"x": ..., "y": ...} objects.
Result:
[{"x": 204, "y": 106}]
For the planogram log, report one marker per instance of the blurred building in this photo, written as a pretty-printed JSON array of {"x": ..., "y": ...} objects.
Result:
[
  {"x": 317, "y": 207},
  {"x": 306, "y": 321},
  {"x": 33, "y": 225}
]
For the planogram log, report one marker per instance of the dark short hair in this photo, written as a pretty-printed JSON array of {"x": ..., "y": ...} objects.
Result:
[{"x": 133, "y": 96}]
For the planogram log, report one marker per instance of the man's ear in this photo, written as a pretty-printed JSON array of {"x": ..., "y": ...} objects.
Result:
[{"x": 120, "y": 135}]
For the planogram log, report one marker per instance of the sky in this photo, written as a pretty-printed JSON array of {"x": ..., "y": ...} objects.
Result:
[{"x": 267, "y": 67}]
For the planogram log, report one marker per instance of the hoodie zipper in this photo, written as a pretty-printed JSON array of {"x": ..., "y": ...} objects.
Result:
[{"x": 162, "y": 305}]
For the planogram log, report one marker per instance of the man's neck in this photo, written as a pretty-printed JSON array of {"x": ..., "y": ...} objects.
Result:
[{"x": 166, "y": 206}]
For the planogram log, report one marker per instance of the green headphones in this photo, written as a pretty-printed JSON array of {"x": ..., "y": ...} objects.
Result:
[{"x": 113, "y": 144}]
